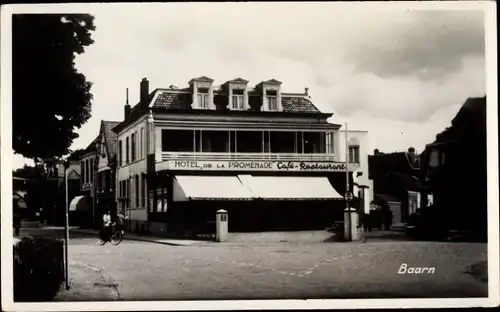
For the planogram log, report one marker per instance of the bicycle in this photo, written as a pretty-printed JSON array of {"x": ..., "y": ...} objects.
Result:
[{"x": 115, "y": 237}]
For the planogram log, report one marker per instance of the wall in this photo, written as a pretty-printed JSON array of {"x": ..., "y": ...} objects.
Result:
[
  {"x": 364, "y": 149},
  {"x": 130, "y": 170}
]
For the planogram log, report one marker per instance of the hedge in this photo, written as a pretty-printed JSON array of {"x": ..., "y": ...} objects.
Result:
[{"x": 38, "y": 269}]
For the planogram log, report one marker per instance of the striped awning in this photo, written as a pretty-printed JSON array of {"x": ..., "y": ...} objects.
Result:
[
  {"x": 290, "y": 188},
  {"x": 210, "y": 188}
]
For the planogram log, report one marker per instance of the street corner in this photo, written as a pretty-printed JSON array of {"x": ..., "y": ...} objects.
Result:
[{"x": 88, "y": 283}]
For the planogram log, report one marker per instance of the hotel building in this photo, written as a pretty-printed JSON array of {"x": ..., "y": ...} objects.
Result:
[{"x": 269, "y": 158}]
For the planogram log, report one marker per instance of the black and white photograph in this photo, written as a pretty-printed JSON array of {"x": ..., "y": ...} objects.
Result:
[{"x": 249, "y": 155}]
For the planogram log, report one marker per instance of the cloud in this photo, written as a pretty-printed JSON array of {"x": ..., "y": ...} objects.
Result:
[
  {"x": 428, "y": 45},
  {"x": 386, "y": 70}
]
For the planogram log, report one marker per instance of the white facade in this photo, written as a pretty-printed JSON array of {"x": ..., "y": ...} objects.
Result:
[
  {"x": 360, "y": 139},
  {"x": 131, "y": 169}
]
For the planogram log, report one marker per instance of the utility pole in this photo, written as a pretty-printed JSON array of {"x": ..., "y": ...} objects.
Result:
[
  {"x": 349, "y": 238},
  {"x": 66, "y": 224}
]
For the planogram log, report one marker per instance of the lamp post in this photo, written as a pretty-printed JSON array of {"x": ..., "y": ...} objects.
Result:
[{"x": 66, "y": 224}]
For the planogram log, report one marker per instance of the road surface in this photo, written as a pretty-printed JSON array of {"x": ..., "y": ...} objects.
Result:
[{"x": 150, "y": 271}]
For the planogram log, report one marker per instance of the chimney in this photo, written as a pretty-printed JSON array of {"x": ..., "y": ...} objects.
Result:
[
  {"x": 144, "y": 92},
  {"x": 307, "y": 91},
  {"x": 127, "y": 107}
]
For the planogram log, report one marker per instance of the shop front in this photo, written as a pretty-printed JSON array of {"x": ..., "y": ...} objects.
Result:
[{"x": 258, "y": 195}]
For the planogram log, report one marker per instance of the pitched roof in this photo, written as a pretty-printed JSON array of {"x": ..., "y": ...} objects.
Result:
[
  {"x": 202, "y": 78},
  {"x": 270, "y": 81},
  {"x": 179, "y": 101},
  {"x": 382, "y": 164},
  {"x": 110, "y": 137},
  {"x": 238, "y": 80},
  {"x": 91, "y": 146}
]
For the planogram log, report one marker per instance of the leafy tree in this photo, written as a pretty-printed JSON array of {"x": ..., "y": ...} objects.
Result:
[
  {"x": 28, "y": 172},
  {"x": 50, "y": 97}
]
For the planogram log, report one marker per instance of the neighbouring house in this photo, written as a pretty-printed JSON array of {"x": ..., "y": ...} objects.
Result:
[
  {"x": 269, "y": 158},
  {"x": 397, "y": 175},
  {"x": 454, "y": 169},
  {"x": 105, "y": 181},
  {"x": 357, "y": 145},
  {"x": 55, "y": 210},
  {"x": 86, "y": 200},
  {"x": 98, "y": 166}
]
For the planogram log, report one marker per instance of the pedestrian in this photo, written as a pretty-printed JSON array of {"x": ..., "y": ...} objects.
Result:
[{"x": 386, "y": 217}]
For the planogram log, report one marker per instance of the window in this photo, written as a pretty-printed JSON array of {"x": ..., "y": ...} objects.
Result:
[
  {"x": 272, "y": 100},
  {"x": 142, "y": 142},
  {"x": 87, "y": 171},
  {"x": 266, "y": 142},
  {"x": 249, "y": 141},
  {"x": 91, "y": 164},
  {"x": 238, "y": 99},
  {"x": 353, "y": 144},
  {"x": 127, "y": 187},
  {"x": 313, "y": 142},
  {"x": 329, "y": 143},
  {"x": 120, "y": 153},
  {"x": 82, "y": 172},
  {"x": 434, "y": 158},
  {"x": 132, "y": 147},
  {"x": 126, "y": 151},
  {"x": 136, "y": 146},
  {"x": 137, "y": 193},
  {"x": 354, "y": 154},
  {"x": 177, "y": 140},
  {"x": 202, "y": 97},
  {"x": 143, "y": 191},
  {"x": 281, "y": 142}
]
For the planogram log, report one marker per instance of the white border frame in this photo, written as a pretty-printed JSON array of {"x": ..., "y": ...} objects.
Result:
[{"x": 489, "y": 9}]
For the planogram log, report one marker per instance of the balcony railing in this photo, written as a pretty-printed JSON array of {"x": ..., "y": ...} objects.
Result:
[{"x": 247, "y": 156}]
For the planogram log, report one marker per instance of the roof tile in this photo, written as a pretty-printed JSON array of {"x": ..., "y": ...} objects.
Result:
[
  {"x": 110, "y": 137},
  {"x": 175, "y": 100}
]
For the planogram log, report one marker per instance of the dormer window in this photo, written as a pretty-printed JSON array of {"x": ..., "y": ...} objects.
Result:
[
  {"x": 238, "y": 99},
  {"x": 203, "y": 97},
  {"x": 272, "y": 100}
]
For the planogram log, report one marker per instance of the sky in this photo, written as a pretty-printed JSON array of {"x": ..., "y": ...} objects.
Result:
[{"x": 400, "y": 74}]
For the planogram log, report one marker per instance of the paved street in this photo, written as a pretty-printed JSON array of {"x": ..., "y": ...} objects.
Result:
[{"x": 143, "y": 270}]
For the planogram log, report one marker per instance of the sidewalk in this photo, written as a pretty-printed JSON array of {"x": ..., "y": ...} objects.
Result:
[
  {"x": 151, "y": 239},
  {"x": 88, "y": 283}
]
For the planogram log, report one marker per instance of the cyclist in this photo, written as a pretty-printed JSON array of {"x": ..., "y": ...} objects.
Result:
[{"x": 120, "y": 225}]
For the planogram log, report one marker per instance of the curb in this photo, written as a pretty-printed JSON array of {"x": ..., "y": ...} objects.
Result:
[
  {"x": 107, "y": 277},
  {"x": 141, "y": 239},
  {"x": 75, "y": 291}
]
